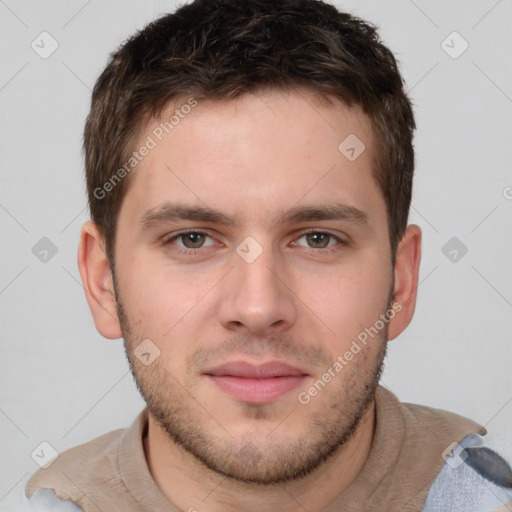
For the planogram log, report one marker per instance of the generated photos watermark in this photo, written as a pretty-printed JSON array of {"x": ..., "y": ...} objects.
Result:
[
  {"x": 151, "y": 142},
  {"x": 304, "y": 397}
]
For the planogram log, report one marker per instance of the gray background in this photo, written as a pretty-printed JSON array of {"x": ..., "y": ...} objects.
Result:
[{"x": 61, "y": 382}]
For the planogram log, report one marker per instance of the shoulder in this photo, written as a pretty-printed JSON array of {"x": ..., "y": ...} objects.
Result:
[
  {"x": 474, "y": 478},
  {"x": 441, "y": 419},
  {"x": 82, "y": 464}
]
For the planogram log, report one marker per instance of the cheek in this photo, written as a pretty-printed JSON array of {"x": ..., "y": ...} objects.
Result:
[
  {"x": 162, "y": 300},
  {"x": 349, "y": 300}
]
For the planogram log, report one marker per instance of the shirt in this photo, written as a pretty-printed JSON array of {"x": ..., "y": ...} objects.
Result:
[{"x": 405, "y": 469}]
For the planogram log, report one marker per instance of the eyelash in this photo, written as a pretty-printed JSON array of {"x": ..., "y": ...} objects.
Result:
[{"x": 194, "y": 252}]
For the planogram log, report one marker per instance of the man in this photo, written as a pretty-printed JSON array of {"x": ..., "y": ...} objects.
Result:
[{"x": 249, "y": 168}]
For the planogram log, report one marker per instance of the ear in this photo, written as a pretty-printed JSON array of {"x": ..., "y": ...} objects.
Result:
[
  {"x": 97, "y": 281},
  {"x": 407, "y": 267}
]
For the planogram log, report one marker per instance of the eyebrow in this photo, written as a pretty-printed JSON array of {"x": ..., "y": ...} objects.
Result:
[
  {"x": 333, "y": 211},
  {"x": 169, "y": 212}
]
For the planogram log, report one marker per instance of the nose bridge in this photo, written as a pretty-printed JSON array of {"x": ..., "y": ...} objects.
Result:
[{"x": 254, "y": 295}]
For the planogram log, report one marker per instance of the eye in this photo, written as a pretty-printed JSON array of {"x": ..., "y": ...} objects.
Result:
[
  {"x": 318, "y": 240},
  {"x": 190, "y": 240}
]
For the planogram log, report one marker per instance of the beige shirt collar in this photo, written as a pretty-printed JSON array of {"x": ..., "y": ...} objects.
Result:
[{"x": 404, "y": 459}]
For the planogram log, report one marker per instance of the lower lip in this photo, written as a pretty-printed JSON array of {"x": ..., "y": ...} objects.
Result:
[{"x": 257, "y": 391}]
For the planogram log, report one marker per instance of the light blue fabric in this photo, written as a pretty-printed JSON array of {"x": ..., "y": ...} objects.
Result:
[
  {"x": 45, "y": 500},
  {"x": 458, "y": 487}
]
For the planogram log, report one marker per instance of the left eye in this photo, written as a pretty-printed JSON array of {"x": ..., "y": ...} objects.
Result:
[
  {"x": 191, "y": 240},
  {"x": 318, "y": 240}
]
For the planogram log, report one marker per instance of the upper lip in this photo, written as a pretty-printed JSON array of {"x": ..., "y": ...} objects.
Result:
[{"x": 247, "y": 370}]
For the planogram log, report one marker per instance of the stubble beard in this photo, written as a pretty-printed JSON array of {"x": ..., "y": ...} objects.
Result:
[{"x": 324, "y": 432}]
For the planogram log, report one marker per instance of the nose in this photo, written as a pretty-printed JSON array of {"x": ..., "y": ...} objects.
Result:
[{"x": 255, "y": 297}]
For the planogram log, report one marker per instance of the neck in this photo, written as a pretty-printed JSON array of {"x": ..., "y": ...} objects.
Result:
[{"x": 191, "y": 486}]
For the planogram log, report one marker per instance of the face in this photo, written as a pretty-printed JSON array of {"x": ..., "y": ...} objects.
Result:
[{"x": 253, "y": 253}]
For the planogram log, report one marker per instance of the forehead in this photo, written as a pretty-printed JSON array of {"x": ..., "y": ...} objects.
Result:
[{"x": 255, "y": 154}]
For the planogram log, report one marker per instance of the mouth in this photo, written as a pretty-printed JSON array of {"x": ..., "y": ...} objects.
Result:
[{"x": 256, "y": 384}]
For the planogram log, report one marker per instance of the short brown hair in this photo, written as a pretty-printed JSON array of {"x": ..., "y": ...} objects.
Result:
[{"x": 221, "y": 49}]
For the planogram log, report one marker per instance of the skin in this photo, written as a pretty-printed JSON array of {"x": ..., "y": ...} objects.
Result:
[{"x": 303, "y": 300}]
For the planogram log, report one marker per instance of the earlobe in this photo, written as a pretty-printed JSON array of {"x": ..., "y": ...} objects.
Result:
[
  {"x": 407, "y": 266},
  {"x": 97, "y": 281}
]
